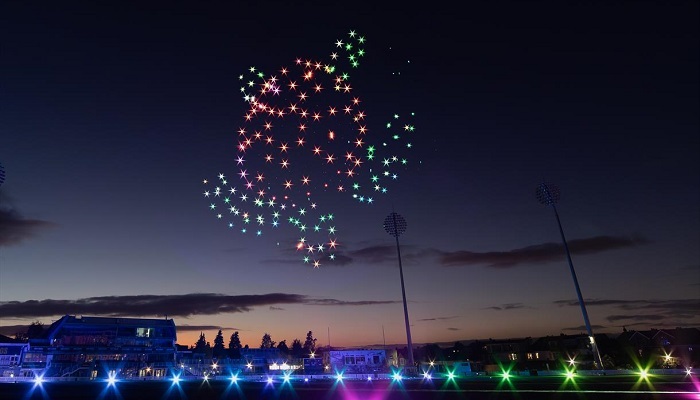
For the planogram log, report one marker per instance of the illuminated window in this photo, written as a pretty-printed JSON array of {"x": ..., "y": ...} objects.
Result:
[{"x": 144, "y": 332}]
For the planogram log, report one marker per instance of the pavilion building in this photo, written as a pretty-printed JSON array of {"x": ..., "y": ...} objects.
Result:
[{"x": 91, "y": 347}]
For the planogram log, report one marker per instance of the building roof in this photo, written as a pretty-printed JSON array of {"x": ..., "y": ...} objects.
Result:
[
  {"x": 68, "y": 321},
  {"x": 72, "y": 319},
  {"x": 676, "y": 336}
]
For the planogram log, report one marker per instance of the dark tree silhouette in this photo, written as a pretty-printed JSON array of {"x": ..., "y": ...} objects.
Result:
[
  {"x": 310, "y": 343},
  {"x": 456, "y": 352},
  {"x": 34, "y": 331},
  {"x": 219, "y": 351},
  {"x": 282, "y": 347},
  {"x": 267, "y": 342},
  {"x": 234, "y": 346},
  {"x": 297, "y": 349},
  {"x": 201, "y": 344},
  {"x": 431, "y": 352},
  {"x": 21, "y": 336}
]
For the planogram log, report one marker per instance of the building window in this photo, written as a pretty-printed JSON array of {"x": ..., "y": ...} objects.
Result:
[{"x": 144, "y": 332}]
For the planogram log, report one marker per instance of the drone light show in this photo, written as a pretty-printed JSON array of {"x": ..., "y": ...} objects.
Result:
[{"x": 305, "y": 137}]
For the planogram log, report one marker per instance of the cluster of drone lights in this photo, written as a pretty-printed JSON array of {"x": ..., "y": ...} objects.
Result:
[{"x": 306, "y": 136}]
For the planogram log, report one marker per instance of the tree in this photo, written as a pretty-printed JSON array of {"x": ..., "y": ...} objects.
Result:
[
  {"x": 456, "y": 352},
  {"x": 219, "y": 350},
  {"x": 431, "y": 352},
  {"x": 297, "y": 349},
  {"x": 309, "y": 343},
  {"x": 282, "y": 347},
  {"x": 234, "y": 346},
  {"x": 34, "y": 330},
  {"x": 267, "y": 342},
  {"x": 201, "y": 344}
]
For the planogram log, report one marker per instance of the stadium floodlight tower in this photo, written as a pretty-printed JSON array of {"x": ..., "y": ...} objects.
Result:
[
  {"x": 395, "y": 225},
  {"x": 548, "y": 194}
]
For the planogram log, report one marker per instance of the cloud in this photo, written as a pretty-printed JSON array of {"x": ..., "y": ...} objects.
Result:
[
  {"x": 668, "y": 307},
  {"x": 340, "y": 260},
  {"x": 540, "y": 253},
  {"x": 582, "y": 328},
  {"x": 159, "y": 305},
  {"x": 15, "y": 229},
  {"x": 146, "y": 305},
  {"x": 453, "y": 329},
  {"x": 438, "y": 318},
  {"x": 386, "y": 254},
  {"x": 648, "y": 317},
  {"x": 644, "y": 310},
  {"x": 189, "y": 328},
  {"x": 595, "y": 302},
  {"x": 507, "y": 306},
  {"x": 334, "y": 302},
  {"x": 411, "y": 254},
  {"x": 374, "y": 254},
  {"x": 273, "y": 308}
]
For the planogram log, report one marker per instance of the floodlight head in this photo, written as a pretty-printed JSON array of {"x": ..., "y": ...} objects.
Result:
[
  {"x": 547, "y": 194},
  {"x": 394, "y": 224}
]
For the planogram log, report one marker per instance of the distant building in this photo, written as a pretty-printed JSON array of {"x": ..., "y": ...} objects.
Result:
[
  {"x": 263, "y": 360},
  {"x": 96, "y": 346},
  {"x": 253, "y": 360},
  {"x": 508, "y": 352},
  {"x": 557, "y": 352},
  {"x": 11, "y": 355},
  {"x": 357, "y": 361},
  {"x": 456, "y": 368},
  {"x": 664, "y": 348}
]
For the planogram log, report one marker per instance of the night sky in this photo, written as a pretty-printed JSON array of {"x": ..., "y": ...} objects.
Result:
[{"x": 113, "y": 114}]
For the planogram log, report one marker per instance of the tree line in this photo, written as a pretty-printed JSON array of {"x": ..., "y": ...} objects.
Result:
[{"x": 219, "y": 350}]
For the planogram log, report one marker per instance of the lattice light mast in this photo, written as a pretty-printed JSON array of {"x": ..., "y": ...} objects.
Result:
[
  {"x": 548, "y": 194},
  {"x": 395, "y": 225}
]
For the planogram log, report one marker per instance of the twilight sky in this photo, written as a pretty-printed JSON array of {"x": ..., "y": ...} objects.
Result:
[{"x": 113, "y": 116}]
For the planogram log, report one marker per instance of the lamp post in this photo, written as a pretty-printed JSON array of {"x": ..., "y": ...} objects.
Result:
[
  {"x": 395, "y": 225},
  {"x": 549, "y": 195}
]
